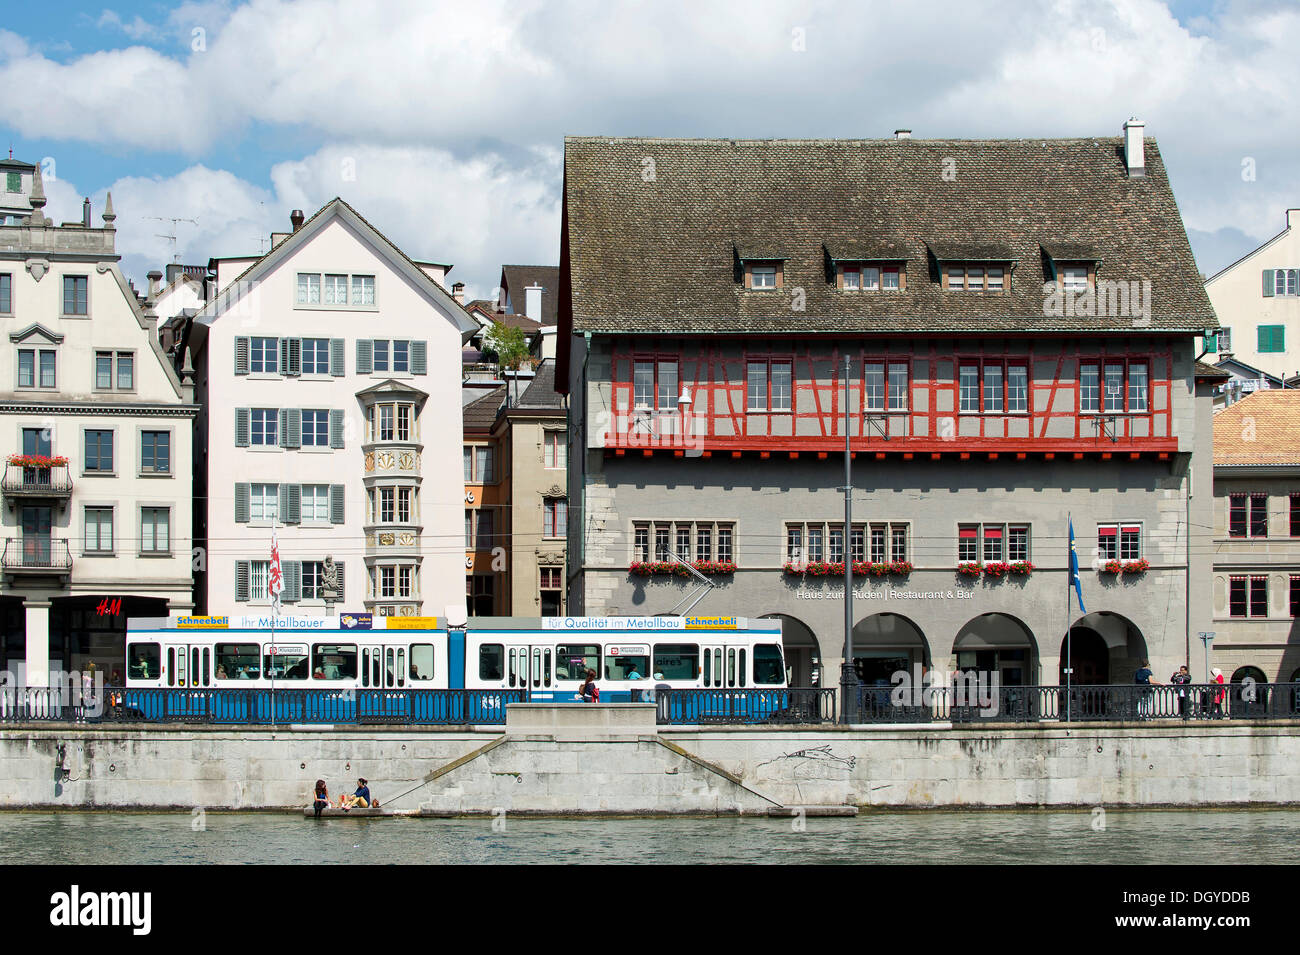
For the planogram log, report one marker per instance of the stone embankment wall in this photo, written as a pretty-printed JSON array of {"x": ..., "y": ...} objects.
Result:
[{"x": 613, "y": 759}]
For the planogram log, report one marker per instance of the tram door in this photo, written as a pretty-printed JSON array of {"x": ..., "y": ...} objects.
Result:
[
  {"x": 530, "y": 667},
  {"x": 384, "y": 668},
  {"x": 187, "y": 666},
  {"x": 724, "y": 667}
]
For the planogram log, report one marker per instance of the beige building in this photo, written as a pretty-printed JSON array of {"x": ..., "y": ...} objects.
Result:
[
  {"x": 98, "y": 444},
  {"x": 1257, "y": 300},
  {"x": 1257, "y": 538}
]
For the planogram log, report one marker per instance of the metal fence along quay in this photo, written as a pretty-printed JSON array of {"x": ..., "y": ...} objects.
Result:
[{"x": 676, "y": 707}]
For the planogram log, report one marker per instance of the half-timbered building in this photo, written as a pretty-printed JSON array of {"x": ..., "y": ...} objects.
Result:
[{"x": 1019, "y": 320}]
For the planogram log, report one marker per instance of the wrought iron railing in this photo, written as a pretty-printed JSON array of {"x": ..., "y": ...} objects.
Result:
[
  {"x": 753, "y": 706},
  {"x": 52, "y": 480},
  {"x": 37, "y": 554}
]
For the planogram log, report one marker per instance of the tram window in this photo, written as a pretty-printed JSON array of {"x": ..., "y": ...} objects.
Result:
[
  {"x": 401, "y": 666},
  {"x": 731, "y": 666},
  {"x": 422, "y": 661},
  {"x": 491, "y": 661},
  {"x": 171, "y": 665},
  {"x": 237, "y": 661},
  {"x": 334, "y": 661},
  {"x": 678, "y": 661},
  {"x": 768, "y": 668},
  {"x": 365, "y": 666},
  {"x": 374, "y": 668},
  {"x": 573, "y": 661},
  {"x": 287, "y": 666},
  {"x": 742, "y": 669},
  {"x": 617, "y": 668},
  {"x": 207, "y": 664},
  {"x": 146, "y": 659}
]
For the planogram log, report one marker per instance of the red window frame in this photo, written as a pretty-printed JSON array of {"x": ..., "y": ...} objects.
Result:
[
  {"x": 656, "y": 360},
  {"x": 1005, "y": 364},
  {"x": 884, "y": 361},
  {"x": 1101, "y": 361},
  {"x": 769, "y": 361}
]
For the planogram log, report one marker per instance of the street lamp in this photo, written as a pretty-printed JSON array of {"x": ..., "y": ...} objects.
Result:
[{"x": 1207, "y": 638}]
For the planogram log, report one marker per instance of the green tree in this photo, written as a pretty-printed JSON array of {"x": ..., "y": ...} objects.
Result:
[{"x": 510, "y": 345}]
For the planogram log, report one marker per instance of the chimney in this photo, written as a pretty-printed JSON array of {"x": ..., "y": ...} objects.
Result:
[
  {"x": 1135, "y": 159},
  {"x": 902, "y": 134},
  {"x": 155, "y": 280},
  {"x": 85, "y": 212},
  {"x": 533, "y": 302},
  {"x": 458, "y": 292},
  {"x": 296, "y": 217}
]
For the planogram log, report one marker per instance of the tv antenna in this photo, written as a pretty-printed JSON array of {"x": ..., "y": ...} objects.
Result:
[{"x": 171, "y": 236}]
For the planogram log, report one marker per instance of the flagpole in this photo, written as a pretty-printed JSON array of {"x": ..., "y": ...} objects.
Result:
[{"x": 1069, "y": 582}]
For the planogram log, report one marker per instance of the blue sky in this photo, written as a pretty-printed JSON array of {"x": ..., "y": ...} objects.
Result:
[{"x": 443, "y": 122}]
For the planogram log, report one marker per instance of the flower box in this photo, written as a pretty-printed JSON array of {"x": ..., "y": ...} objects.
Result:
[
  {"x": 900, "y": 568},
  {"x": 822, "y": 568},
  {"x": 1111, "y": 567},
  {"x": 996, "y": 568},
  {"x": 1139, "y": 566},
  {"x": 715, "y": 566},
  {"x": 969, "y": 568},
  {"x": 1021, "y": 568},
  {"x": 37, "y": 461},
  {"x": 795, "y": 570}
]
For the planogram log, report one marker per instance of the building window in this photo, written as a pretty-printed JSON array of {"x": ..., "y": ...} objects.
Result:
[
  {"x": 1018, "y": 542},
  {"x": 975, "y": 278},
  {"x": 835, "y": 543},
  {"x": 76, "y": 289},
  {"x": 641, "y": 542},
  {"x": 156, "y": 452},
  {"x": 6, "y": 293},
  {"x": 555, "y": 450},
  {"x": 1123, "y": 387},
  {"x": 478, "y": 529},
  {"x": 726, "y": 534},
  {"x": 857, "y": 543},
  {"x": 387, "y": 581},
  {"x": 259, "y": 575},
  {"x": 336, "y": 290},
  {"x": 1074, "y": 278},
  {"x": 315, "y": 356},
  {"x": 870, "y": 278},
  {"x": 155, "y": 530},
  {"x": 1295, "y": 515},
  {"x": 993, "y": 388},
  {"x": 996, "y": 542},
  {"x": 878, "y": 532},
  {"x": 1248, "y": 515},
  {"x": 556, "y": 519},
  {"x": 313, "y": 572},
  {"x": 968, "y": 544},
  {"x": 654, "y": 386},
  {"x": 815, "y": 551},
  {"x": 662, "y": 551},
  {"x": 888, "y": 541},
  {"x": 99, "y": 451},
  {"x": 969, "y": 385},
  {"x": 315, "y": 504},
  {"x": 550, "y": 591},
  {"x": 762, "y": 277},
  {"x": 264, "y": 502},
  {"x": 703, "y": 543},
  {"x": 478, "y": 595},
  {"x": 1119, "y": 541},
  {"x": 768, "y": 386},
  {"x": 265, "y": 356},
  {"x": 479, "y": 462},
  {"x": 14, "y": 182},
  {"x": 308, "y": 289},
  {"x": 1286, "y": 282},
  {"x": 1225, "y": 339},
  {"x": 32, "y": 359},
  {"x": 265, "y": 430},
  {"x": 315, "y": 428},
  {"x": 993, "y": 550},
  {"x": 794, "y": 543},
  {"x": 363, "y": 290},
  {"x": 1017, "y": 389},
  {"x": 1272, "y": 338},
  {"x": 1248, "y": 596},
  {"x": 1295, "y": 596},
  {"x": 881, "y": 392},
  {"x": 99, "y": 530},
  {"x": 387, "y": 504},
  {"x": 401, "y": 355},
  {"x": 105, "y": 380}
]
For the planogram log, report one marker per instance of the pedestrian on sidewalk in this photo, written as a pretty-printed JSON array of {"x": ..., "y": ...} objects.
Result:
[
  {"x": 1145, "y": 679},
  {"x": 1181, "y": 679}
]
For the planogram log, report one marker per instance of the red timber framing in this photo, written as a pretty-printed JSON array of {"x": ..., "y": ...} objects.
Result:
[{"x": 718, "y": 419}]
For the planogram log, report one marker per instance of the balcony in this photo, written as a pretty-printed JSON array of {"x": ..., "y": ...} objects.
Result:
[
  {"x": 37, "y": 555},
  {"x": 46, "y": 479}
]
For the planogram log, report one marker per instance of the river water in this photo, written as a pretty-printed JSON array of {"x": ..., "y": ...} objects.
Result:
[{"x": 942, "y": 838}]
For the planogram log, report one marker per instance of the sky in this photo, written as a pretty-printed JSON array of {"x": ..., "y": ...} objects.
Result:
[{"x": 443, "y": 123}]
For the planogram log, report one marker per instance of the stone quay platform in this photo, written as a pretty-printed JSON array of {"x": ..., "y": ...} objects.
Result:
[{"x": 613, "y": 759}]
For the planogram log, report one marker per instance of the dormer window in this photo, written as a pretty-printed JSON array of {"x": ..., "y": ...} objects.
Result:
[
  {"x": 860, "y": 277},
  {"x": 762, "y": 276},
  {"x": 1074, "y": 278},
  {"x": 975, "y": 278}
]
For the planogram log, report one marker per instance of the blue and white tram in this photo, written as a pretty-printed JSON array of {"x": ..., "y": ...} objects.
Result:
[{"x": 629, "y": 655}]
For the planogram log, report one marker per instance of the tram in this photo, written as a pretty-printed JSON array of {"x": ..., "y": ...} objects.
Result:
[{"x": 358, "y": 666}]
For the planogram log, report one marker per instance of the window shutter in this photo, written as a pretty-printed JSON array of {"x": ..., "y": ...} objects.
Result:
[
  {"x": 342, "y": 577},
  {"x": 283, "y": 509},
  {"x": 1268, "y": 283},
  {"x": 336, "y": 357},
  {"x": 292, "y": 581},
  {"x": 336, "y": 503},
  {"x": 241, "y": 504},
  {"x": 294, "y": 365},
  {"x": 419, "y": 358},
  {"x": 336, "y": 427},
  {"x": 241, "y": 427},
  {"x": 241, "y": 355},
  {"x": 293, "y": 514},
  {"x": 284, "y": 356},
  {"x": 241, "y": 581},
  {"x": 292, "y": 427},
  {"x": 365, "y": 355}
]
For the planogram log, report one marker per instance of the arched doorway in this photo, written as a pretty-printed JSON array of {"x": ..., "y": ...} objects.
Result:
[
  {"x": 1249, "y": 694},
  {"x": 885, "y": 644},
  {"x": 998, "y": 643},
  {"x": 803, "y": 657},
  {"x": 1104, "y": 648}
]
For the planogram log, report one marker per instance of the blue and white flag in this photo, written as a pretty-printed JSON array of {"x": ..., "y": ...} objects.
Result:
[{"x": 1074, "y": 569}]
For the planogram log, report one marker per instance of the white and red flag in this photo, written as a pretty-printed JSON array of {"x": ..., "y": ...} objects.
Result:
[{"x": 275, "y": 579}]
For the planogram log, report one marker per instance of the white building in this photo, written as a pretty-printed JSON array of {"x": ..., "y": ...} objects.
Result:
[
  {"x": 98, "y": 446},
  {"x": 1257, "y": 300},
  {"x": 329, "y": 374}
]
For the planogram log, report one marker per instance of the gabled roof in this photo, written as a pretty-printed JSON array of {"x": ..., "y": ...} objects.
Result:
[
  {"x": 337, "y": 208},
  {"x": 1235, "y": 367},
  {"x": 659, "y": 256},
  {"x": 516, "y": 278},
  {"x": 1253, "y": 252},
  {"x": 1206, "y": 372},
  {"x": 480, "y": 414},
  {"x": 391, "y": 386},
  {"x": 540, "y": 393},
  {"x": 1261, "y": 429}
]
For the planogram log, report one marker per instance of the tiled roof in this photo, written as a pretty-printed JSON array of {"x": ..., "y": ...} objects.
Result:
[
  {"x": 660, "y": 255},
  {"x": 1262, "y": 428},
  {"x": 516, "y": 278},
  {"x": 541, "y": 391},
  {"x": 479, "y": 415},
  {"x": 1204, "y": 370}
]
